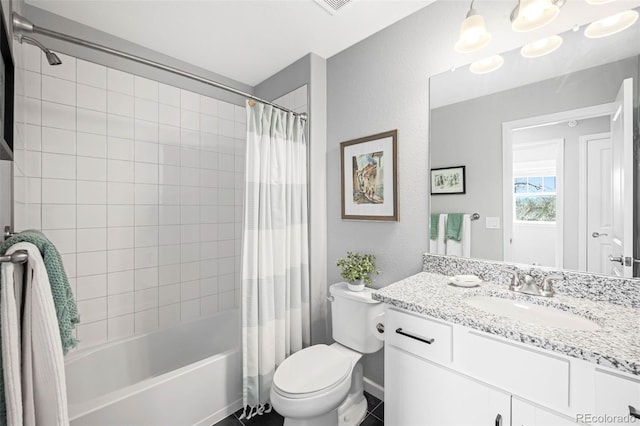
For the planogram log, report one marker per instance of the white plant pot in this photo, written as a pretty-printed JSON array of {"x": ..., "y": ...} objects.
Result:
[{"x": 357, "y": 286}]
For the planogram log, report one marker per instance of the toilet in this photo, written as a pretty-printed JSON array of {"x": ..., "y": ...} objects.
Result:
[{"x": 323, "y": 385}]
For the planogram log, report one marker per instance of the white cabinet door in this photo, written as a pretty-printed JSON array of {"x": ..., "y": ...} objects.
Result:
[
  {"x": 614, "y": 395},
  {"x": 420, "y": 393},
  {"x": 525, "y": 414}
]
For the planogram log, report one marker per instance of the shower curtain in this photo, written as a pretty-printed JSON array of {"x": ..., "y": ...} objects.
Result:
[{"x": 275, "y": 256}]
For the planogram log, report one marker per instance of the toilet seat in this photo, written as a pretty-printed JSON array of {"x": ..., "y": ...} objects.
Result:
[{"x": 311, "y": 371}]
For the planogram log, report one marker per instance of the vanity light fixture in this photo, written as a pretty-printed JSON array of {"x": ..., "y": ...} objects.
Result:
[
  {"x": 530, "y": 15},
  {"x": 541, "y": 47},
  {"x": 611, "y": 25},
  {"x": 487, "y": 65},
  {"x": 473, "y": 33}
]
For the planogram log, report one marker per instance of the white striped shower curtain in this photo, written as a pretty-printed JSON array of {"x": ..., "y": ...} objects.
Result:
[{"x": 275, "y": 256}]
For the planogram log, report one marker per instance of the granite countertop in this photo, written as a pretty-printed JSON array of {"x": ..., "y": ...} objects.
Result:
[{"x": 615, "y": 345}]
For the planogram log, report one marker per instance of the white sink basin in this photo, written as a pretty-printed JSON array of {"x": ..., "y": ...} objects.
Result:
[{"x": 532, "y": 313}]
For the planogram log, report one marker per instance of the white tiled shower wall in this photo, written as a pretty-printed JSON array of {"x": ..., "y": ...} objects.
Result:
[
  {"x": 140, "y": 186},
  {"x": 20, "y": 190}
]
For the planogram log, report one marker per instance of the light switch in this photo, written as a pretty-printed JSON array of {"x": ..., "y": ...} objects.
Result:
[{"x": 492, "y": 223}]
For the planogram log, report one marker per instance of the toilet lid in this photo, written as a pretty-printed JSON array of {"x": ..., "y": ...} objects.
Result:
[{"x": 311, "y": 369}]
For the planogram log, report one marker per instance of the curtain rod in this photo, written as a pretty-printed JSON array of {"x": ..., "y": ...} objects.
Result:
[{"x": 22, "y": 25}]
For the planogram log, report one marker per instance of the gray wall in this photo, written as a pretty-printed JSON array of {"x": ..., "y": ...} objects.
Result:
[
  {"x": 377, "y": 85},
  {"x": 470, "y": 133}
]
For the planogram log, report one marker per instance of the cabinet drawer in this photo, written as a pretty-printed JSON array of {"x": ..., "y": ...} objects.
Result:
[
  {"x": 614, "y": 393},
  {"x": 423, "y": 337},
  {"x": 524, "y": 371}
]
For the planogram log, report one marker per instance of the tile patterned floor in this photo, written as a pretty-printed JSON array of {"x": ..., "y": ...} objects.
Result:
[{"x": 374, "y": 417}]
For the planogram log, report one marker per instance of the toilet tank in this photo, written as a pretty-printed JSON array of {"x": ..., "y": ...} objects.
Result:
[{"x": 352, "y": 315}]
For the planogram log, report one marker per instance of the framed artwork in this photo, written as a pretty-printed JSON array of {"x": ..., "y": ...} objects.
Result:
[
  {"x": 6, "y": 93},
  {"x": 447, "y": 180},
  {"x": 369, "y": 177}
]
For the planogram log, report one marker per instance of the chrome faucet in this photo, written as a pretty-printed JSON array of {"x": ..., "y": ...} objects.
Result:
[
  {"x": 526, "y": 284},
  {"x": 546, "y": 289},
  {"x": 515, "y": 280}
]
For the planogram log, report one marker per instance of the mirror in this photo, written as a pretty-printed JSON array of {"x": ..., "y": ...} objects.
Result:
[{"x": 545, "y": 165}]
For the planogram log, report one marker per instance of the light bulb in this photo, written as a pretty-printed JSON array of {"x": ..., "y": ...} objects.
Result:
[
  {"x": 533, "y": 11},
  {"x": 473, "y": 34},
  {"x": 610, "y": 21},
  {"x": 611, "y": 25},
  {"x": 530, "y": 15},
  {"x": 540, "y": 43},
  {"x": 487, "y": 65},
  {"x": 541, "y": 47}
]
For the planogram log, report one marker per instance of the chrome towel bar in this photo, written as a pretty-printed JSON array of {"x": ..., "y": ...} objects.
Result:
[{"x": 19, "y": 256}]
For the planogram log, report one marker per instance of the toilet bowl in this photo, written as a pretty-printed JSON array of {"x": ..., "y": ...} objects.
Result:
[
  {"x": 316, "y": 386},
  {"x": 323, "y": 385}
]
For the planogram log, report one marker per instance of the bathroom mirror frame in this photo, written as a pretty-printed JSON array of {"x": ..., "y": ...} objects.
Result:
[{"x": 452, "y": 87}]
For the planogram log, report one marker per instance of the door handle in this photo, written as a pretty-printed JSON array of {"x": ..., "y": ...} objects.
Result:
[
  {"x": 634, "y": 413},
  {"x": 598, "y": 235},
  {"x": 616, "y": 259}
]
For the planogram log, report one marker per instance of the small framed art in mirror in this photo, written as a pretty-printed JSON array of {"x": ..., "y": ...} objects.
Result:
[{"x": 448, "y": 180}]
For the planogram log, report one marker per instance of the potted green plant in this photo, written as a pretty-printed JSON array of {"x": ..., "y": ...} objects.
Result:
[{"x": 356, "y": 268}]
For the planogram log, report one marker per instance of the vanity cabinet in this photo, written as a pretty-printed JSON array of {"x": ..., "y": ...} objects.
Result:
[
  {"x": 420, "y": 393},
  {"x": 438, "y": 373},
  {"x": 614, "y": 394}
]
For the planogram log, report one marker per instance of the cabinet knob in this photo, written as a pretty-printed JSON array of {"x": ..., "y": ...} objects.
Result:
[
  {"x": 633, "y": 412},
  {"x": 499, "y": 420}
]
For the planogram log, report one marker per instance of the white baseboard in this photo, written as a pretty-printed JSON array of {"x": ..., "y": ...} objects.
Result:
[
  {"x": 373, "y": 388},
  {"x": 221, "y": 414}
]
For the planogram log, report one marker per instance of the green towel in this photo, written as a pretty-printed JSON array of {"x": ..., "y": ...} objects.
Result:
[
  {"x": 454, "y": 226},
  {"x": 66, "y": 308},
  {"x": 433, "y": 226}
]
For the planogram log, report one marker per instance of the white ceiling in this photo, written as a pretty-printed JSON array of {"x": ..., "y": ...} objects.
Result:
[{"x": 246, "y": 40}]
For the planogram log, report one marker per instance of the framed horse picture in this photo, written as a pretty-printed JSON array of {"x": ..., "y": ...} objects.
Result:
[{"x": 369, "y": 177}]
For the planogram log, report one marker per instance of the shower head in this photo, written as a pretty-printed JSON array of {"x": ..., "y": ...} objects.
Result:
[{"x": 52, "y": 58}]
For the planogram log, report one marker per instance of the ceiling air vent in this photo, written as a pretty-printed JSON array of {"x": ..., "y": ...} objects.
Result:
[{"x": 333, "y": 6}]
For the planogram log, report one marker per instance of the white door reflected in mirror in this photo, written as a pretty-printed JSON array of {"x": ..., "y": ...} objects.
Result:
[
  {"x": 589, "y": 169},
  {"x": 622, "y": 152}
]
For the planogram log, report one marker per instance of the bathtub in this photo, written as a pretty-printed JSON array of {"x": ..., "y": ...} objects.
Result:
[{"x": 188, "y": 374}]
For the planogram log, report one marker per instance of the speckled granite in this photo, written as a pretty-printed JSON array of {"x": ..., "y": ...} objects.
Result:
[
  {"x": 619, "y": 291},
  {"x": 615, "y": 345}
]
